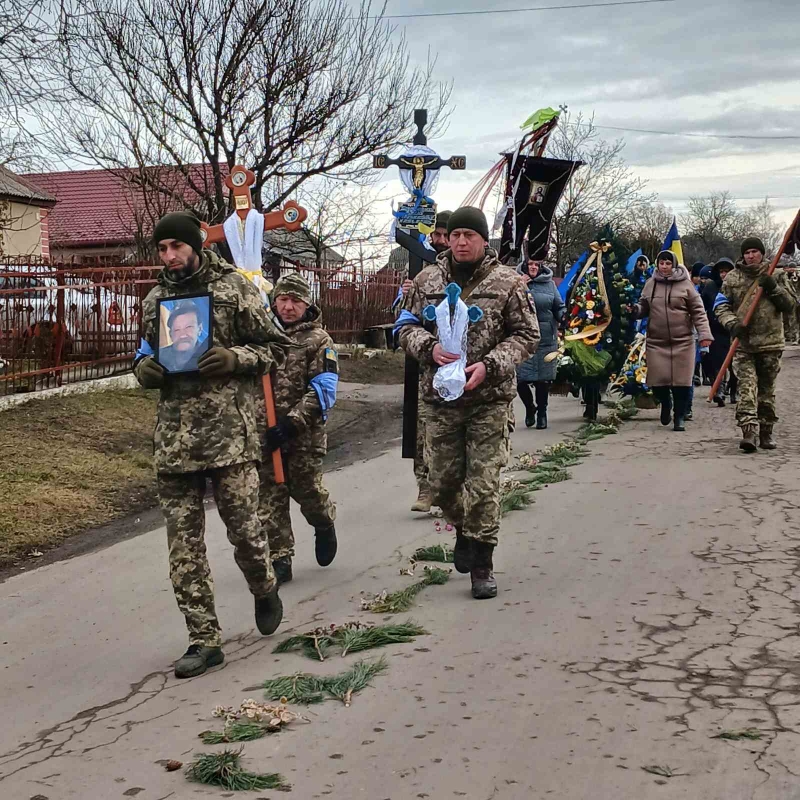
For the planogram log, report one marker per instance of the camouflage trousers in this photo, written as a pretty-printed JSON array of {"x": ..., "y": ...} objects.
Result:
[
  {"x": 420, "y": 467},
  {"x": 466, "y": 448},
  {"x": 236, "y": 495},
  {"x": 757, "y": 374},
  {"x": 304, "y": 485},
  {"x": 791, "y": 326}
]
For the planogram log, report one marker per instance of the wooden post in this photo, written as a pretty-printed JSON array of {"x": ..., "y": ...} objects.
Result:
[{"x": 416, "y": 255}]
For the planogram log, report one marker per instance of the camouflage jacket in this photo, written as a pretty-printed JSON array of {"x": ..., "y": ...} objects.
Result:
[
  {"x": 507, "y": 335},
  {"x": 211, "y": 423},
  {"x": 297, "y": 385},
  {"x": 765, "y": 331}
]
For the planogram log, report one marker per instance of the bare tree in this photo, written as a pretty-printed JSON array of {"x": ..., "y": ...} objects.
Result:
[
  {"x": 293, "y": 89},
  {"x": 714, "y": 226},
  {"x": 603, "y": 191},
  {"x": 344, "y": 218},
  {"x": 649, "y": 227},
  {"x": 760, "y": 221},
  {"x": 26, "y": 35}
]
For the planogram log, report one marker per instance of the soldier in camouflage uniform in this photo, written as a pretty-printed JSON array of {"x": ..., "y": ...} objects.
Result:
[
  {"x": 791, "y": 324},
  {"x": 206, "y": 428},
  {"x": 466, "y": 439},
  {"x": 305, "y": 391},
  {"x": 758, "y": 360},
  {"x": 423, "y": 502}
]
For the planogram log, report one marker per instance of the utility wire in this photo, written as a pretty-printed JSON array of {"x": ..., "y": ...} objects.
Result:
[
  {"x": 695, "y": 135},
  {"x": 520, "y": 10}
]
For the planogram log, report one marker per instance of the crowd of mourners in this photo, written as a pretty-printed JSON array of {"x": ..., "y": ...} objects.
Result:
[{"x": 692, "y": 318}]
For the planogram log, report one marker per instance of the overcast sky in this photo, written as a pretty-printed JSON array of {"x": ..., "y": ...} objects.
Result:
[{"x": 727, "y": 67}]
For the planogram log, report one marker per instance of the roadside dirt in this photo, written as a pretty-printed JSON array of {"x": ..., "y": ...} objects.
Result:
[
  {"x": 76, "y": 472},
  {"x": 384, "y": 368}
]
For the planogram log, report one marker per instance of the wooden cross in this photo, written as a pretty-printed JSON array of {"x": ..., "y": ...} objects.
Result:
[
  {"x": 419, "y": 165},
  {"x": 417, "y": 253},
  {"x": 291, "y": 218},
  {"x": 239, "y": 181}
]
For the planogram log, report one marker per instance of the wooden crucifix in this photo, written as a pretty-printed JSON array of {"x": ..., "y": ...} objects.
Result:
[
  {"x": 419, "y": 165},
  {"x": 239, "y": 181},
  {"x": 290, "y": 217}
]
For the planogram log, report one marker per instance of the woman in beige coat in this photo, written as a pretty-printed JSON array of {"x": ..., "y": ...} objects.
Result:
[{"x": 675, "y": 310}]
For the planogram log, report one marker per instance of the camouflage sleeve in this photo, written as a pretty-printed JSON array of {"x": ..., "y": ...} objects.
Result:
[
  {"x": 723, "y": 306},
  {"x": 521, "y": 334},
  {"x": 147, "y": 345},
  {"x": 323, "y": 361},
  {"x": 782, "y": 298},
  {"x": 260, "y": 344},
  {"x": 413, "y": 338}
]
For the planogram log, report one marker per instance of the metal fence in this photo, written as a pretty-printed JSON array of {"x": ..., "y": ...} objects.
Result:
[
  {"x": 62, "y": 323},
  {"x": 352, "y": 299}
]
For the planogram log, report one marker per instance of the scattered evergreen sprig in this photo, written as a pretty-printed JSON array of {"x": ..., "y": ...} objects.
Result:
[
  {"x": 225, "y": 770},
  {"x": 440, "y": 553},
  {"x": 236, "y": 732},
  {"x": 307, "y": 689},
  {"x": 354, "y": 637},
  {"x": 592, "y": 431},
  {"x": 514, "y": 496},
  {"x": 735, "y": 736},
  {"x": 403, "y": 599}
]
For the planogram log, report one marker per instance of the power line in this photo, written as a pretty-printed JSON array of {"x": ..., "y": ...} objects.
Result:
[
  {"x": 694, "y": 135},
  {"x": 520, "y": 10}
]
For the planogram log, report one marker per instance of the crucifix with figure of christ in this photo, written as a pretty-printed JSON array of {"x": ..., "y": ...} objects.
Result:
[
  {"x": 419, "y": 165},
  {"x": 291, "y": 218}
]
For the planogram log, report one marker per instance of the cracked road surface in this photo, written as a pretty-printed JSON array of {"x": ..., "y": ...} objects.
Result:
[{"x": 645, "y": 607}]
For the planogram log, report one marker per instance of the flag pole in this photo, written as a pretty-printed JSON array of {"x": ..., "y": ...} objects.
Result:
[{"x": 752, "y": 309}]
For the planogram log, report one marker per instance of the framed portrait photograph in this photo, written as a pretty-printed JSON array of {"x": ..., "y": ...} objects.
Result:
[{"x": 184, "y": 331}]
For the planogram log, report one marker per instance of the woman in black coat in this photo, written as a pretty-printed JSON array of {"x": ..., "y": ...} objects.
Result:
[{"x": 713, "y": 361}]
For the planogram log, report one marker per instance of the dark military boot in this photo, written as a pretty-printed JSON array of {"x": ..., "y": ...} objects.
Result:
[
  {"x": 766, "y": 442},
  {"x": 748, "y": 443},
  {"x": 462, "y": 553},
  {"x": 325, "y": 546},
  {"x": 542, "y": 396},
  {"x": 269, "y": 612},
  {"x": 484, "y": 586},
  {"x": 282, "y": 567},
  {"x": 197, "y": 659}
]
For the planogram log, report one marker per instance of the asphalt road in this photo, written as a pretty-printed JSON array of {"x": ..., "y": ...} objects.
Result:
[{"x": 645, "y": 606}]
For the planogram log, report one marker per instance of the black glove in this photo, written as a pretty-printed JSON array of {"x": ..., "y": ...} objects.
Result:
[
  {"x": 281, "y": 434},
  {"x": 218, "y": 362},
  {"x": 768, "y": 283},
  {"x": 737, "y": 330},
  {"x": 150, "y": 373}
]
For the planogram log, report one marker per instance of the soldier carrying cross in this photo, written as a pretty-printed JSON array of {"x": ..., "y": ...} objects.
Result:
[{"x": 207, "y": 426}]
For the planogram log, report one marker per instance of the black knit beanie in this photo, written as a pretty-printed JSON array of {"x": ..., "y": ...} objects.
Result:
[
  {"x": 753, "y": 243},
  {"x": 181, "y": 225},
  {"x": 442, "y": 218},
  {"x": 471, "y": 218},
  {"x": 696, "y": 267}
]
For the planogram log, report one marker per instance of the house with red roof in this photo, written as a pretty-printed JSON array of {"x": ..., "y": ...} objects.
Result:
[
  {"x": 24, "y": 210},
  {"x": 105, "y": 213}
]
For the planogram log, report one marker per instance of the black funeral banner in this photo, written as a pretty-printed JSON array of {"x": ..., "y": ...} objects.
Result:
[{"x": 537, "y": 185}]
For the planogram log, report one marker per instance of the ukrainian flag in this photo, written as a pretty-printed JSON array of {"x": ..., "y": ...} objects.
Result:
[{"x": 673, "y": 241}]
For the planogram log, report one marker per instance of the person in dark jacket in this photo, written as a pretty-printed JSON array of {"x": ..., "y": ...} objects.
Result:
[
  {"x": 536, "y": 371},
  {"x": 714, "y": 359}
]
